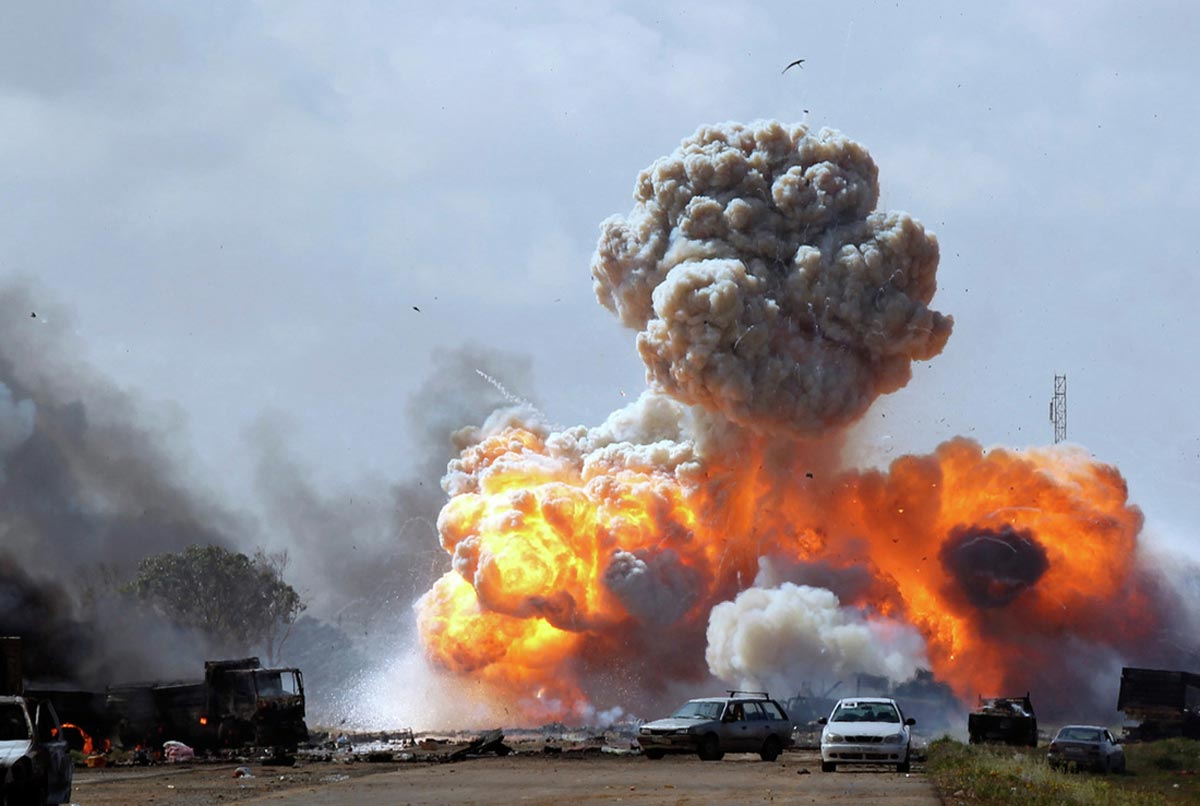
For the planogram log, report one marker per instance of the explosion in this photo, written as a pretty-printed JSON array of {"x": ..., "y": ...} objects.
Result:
[{"x": 714, "y": 519}]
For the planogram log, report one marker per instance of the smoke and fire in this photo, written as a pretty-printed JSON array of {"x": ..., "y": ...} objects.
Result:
[{"x": 713, "y": 519}]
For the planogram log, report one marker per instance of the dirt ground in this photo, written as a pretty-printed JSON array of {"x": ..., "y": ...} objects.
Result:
[{"x": 519, "y": 779}]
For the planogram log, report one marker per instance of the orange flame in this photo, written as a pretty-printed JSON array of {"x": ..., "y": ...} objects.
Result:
[
  {"x": 534, "y": 604},
  {"x": 89, "y": 747}
]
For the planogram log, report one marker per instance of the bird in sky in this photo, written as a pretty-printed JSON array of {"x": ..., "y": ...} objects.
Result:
[{"x": 798, "y": 63}]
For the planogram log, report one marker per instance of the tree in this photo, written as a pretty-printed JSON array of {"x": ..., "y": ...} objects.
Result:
[{"x": 239, "y": 600}]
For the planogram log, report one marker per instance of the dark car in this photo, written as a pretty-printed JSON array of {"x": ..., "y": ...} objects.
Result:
[
  {"x": 743, "y": 722},
  {"x": 35, "y": 762},
  {"x": 1086, "y": 747}
]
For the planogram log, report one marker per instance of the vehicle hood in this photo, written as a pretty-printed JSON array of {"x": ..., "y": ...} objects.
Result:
[
  {"x": 866, "y": 728},
  {"x": 12, "y": 750},
  {"x": 670, "y": 723}
]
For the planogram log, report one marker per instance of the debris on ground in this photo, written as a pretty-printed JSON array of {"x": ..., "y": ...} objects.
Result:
[{"x": 177, "y": 751}]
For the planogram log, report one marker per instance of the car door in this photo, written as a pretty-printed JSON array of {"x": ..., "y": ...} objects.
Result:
[
  {"x": 756, "y": 727},
  {"x": 733, "y": 728},
  {"x": 59, "y": 768}
]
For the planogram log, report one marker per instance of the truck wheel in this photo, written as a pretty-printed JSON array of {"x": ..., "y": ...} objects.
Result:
[
  {"x": 655, "y": 755},
  {"x": 770, "y": 749},
  {"x": 710, "y": 748}
]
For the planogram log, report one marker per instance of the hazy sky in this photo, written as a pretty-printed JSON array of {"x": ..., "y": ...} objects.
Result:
[{"x": 238, "y": 205}]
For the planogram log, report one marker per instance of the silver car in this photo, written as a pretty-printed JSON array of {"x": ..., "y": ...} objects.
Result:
[
  {"x": 1089, "y": 746},
  {"x": 866, "y": 730},
  {"x": 743, "y": 722}
]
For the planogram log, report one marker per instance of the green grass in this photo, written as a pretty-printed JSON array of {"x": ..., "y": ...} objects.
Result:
[{"x": 1165, "y": 772}]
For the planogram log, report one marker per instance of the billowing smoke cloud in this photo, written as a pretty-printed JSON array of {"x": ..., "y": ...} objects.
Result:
[
  {"x": 763, "y": 283},
  {"x": 993, "y": 566},
  {"x": 363, "y": 551},
  {"x": 716, "y": 516},
  {"x": 791, "y": 635}
]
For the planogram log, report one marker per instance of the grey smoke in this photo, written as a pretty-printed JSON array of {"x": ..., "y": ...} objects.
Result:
[
  {"x": 763, "y": 283},
  {"x": 362, "y": 550}
]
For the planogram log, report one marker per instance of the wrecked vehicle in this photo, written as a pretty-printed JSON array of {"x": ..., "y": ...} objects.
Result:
[
  {"x": 743, "y": 722},
  {"x": 238, "y": 703},
  {"x": 1007, "y": 720},
  {"x": 1164, "y": 703},
  {"x": 35, "y": 762}
]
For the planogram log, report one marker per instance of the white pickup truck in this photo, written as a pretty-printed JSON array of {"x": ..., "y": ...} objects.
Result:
[{"x": 35, "y": 761}]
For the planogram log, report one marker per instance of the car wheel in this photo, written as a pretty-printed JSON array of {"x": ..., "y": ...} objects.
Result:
[
  {"x": 770, "y": 749},
  {"x": 710, "y": 748},
  {"x": 655, "y": 755},
  {"x": 828, "y": 766},
  {"x": 1120, "y": 768}
]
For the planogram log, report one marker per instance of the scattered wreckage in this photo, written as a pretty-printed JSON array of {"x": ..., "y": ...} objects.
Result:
[{"x": 1004, "y": 720}]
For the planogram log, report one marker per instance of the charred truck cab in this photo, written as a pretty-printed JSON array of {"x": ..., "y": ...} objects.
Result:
[
  {"x": 253, "y": 705},
  {"x": 239, "y": 703}
]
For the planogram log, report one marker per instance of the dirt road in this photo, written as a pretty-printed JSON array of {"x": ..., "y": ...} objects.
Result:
[{"x": 529, "y": 780}]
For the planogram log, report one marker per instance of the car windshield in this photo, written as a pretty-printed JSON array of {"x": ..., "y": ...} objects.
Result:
[
  {"x": 699, "y": 709},
  {"x": 866, "y": 712},
  {"x": 1079, "y": 734},
  {"x": 13, "y": 726}
]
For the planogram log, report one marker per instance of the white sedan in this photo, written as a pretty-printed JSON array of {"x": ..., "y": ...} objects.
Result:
[{"x": 866, "y": 730}]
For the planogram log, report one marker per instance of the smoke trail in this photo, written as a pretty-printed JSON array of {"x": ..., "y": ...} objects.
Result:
[{"x": 763, "y": 283}]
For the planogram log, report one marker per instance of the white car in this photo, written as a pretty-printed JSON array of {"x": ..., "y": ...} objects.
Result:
[{"x": 866, "y": 730}]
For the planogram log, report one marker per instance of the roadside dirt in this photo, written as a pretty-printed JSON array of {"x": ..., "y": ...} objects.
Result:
[{"x": 520, "y": 779}]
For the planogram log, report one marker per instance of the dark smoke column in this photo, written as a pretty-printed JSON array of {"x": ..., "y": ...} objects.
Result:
[{"x": 762, "y": 282}]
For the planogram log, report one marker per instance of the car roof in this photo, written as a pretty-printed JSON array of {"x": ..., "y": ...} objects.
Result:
[
  {"x": 872, "y": 700},
  {"x": 1085, "y": 727},
  {"x": 739, "y": 698}
]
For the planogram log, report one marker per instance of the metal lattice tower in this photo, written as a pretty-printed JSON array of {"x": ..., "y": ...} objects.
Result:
[{"x": 1058, "y": 408}]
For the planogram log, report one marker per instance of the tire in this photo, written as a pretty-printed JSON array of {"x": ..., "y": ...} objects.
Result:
[
  {"x": 906, "y": 765},
  {"x": 655, "y": 755},
  {"x": 770, "y": 749},
  {"x": 710, "y": 748},
  {"x": 828, "y": 766}
]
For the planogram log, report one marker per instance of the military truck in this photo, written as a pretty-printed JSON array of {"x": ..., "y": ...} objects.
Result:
[
  {"x": 1164, "y": 703},
  {"x": 1006, "y": 720},
  {"x": 238, "y": 703}
]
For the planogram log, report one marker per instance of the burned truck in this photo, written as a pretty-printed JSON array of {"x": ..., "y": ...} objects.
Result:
[
  {"x": 1003, "y": 720},
  {"x": 238, "y": 703},
  {"x": 1164, "y": 703}
]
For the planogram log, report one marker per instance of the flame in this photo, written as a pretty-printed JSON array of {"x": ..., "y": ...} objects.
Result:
[
  {"x": 983, "y": 552},
  {"x": 89, "y": 747}
]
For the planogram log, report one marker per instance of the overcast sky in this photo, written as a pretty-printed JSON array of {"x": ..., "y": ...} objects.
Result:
[{"x": 237, "y": 206}]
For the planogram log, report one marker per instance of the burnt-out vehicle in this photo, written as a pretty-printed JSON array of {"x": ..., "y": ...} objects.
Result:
[
  {"x": 35, "y": 761},
  {"x": 1003, "y": 720},
  {"x": 238, "y": 703},
  {"x": 1162, "y": 702}
]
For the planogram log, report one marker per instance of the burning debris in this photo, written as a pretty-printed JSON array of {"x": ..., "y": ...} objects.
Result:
[{"x": 773, "y": 304}]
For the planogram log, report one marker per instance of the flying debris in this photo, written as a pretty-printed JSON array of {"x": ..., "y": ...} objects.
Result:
[
  {"x": 415, "y": 308},
  {"x": 798, "y": 63}
]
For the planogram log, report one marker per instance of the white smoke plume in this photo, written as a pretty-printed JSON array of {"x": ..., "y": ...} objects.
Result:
[
  {"x": 763, "y": 283},
  {"x": 784, "y": 637}
]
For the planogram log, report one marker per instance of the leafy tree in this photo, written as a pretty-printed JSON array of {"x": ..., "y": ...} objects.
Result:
[{"x": 241, "y": 601}]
